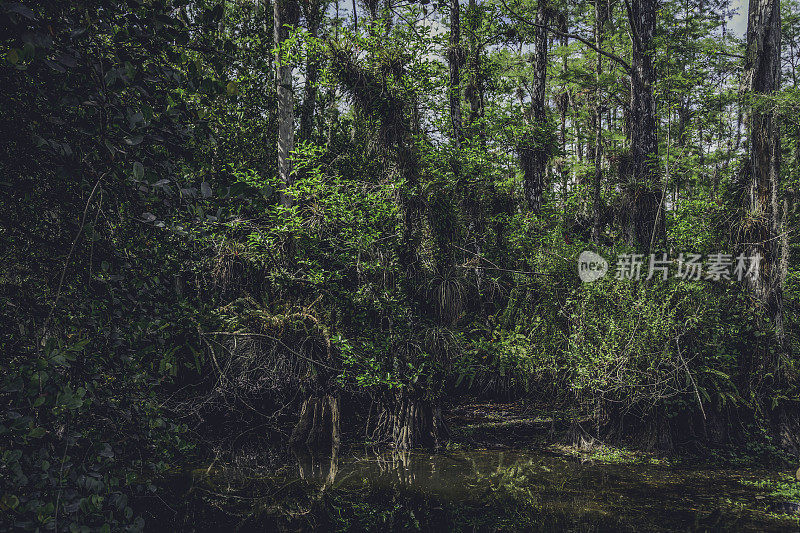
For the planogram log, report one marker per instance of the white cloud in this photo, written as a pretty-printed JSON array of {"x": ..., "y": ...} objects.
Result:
[{"x": 738, "y": 24}]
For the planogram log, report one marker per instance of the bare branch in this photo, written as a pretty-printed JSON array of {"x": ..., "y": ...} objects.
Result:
[{"x": 585, "y": 41}]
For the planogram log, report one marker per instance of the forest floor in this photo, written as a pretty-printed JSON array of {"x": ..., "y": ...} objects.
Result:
[
  {"x": 504, "y": 424},
  {"x": 518, "y": 424},
  {"x": 509, "y": 466},
  {"x": 480, "y": 424}
]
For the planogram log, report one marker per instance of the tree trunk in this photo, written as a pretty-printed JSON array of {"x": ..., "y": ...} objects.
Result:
[
  {"x": 408, "y": 422},
  {"x": 454, "y": 57},
  {"x": 474, "y": 89},
  {"x": 561, "y": 165},
  {"x": 533, "y": 155},
  {"x": 408, "y": 256},
  {"x": 313, "y": 15},
  {"x": 396, "y": 131},
  {"x": 600, "y": 15},
  {"x": 319, "y": 424},
  {"x": 644, "y": 218},
  {"x": 762, "y": 168},
  {"x": 285, "y": 16},
  {"x": 562, "y": 103}
]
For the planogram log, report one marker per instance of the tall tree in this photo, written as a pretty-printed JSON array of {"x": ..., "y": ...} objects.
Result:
[
  {"x": 474, "y": 89},
  {"x": 762, "y": 76},
  {"x": 455, "y": 57},
  {"x": 644, "y": 219},
  {"x": 533, "y": 155},
  {"x": 285, "y": 16},
  {"x": 562, "y": 104},
  {"x": 600, "y": 17},
  {"x": 313, "y": 11}
]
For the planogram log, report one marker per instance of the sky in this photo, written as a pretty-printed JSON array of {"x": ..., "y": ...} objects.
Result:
[
  {"x": 739, "y": 22},
  {"x": 737, "y": 25}
]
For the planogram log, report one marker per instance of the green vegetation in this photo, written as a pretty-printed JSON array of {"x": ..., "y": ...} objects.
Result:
[
  {"x": 287, "y": 222},
  {"x": 465, "y": 490}
]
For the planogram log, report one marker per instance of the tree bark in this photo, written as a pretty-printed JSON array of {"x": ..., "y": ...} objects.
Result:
[
  {"x": 474, "y": 89},
  {"x": 600, "y": 15},
  {"x": 285, "y": 16},
  {"x": 762, "y": 168},
  {"x": 313, "y": 14},
  {"x": 534, "y": 158},
  {"x": 644, "y": 218},
  {"x": 319, "y": 423},
  {"x": 411, "y": 205},
  {"x": 562, "y": 103},
  {"x": 454, "y": 57},
  {"x": 408, "y": 422}
]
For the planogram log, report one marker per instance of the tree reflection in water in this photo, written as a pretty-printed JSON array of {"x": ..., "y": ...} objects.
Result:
[{"x": 464, "y": 489}]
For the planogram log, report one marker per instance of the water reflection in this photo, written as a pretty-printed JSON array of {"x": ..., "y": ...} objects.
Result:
[
  {"x": 474, "y": 490},
  {"x": 314, "y": 466}
]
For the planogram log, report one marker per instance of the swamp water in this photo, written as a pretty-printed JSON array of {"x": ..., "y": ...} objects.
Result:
[{"x": 460, "y": 490}]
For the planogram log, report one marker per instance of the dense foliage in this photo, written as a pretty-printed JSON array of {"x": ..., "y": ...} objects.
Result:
[{"x": 163, "y": 274}]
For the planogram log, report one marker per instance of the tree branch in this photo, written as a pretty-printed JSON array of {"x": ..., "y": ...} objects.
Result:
[
  {"x": 637, "y": 41},
  {"x": 585, "y": 41}
]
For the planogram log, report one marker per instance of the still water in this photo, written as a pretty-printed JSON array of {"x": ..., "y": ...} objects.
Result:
[{"x": 460, "y": 490}]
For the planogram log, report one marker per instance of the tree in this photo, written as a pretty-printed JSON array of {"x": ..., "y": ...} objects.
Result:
[
  {"x": 455, "y": 58},
  {"x": 644, "y": 217},
  {"x": 534, "y": 152},
  {"x": 285, "y": 17},
  {"x": 474, "y": 91},
  {"x": 600, "y": 17},
  {"x": 762, "y": 77},
  {"x": 313, "y": 11}
]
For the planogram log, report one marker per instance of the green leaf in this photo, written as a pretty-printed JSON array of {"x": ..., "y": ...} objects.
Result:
[
  {"x": 36, "y": 433},
  {"x": 9, "y": 501}
]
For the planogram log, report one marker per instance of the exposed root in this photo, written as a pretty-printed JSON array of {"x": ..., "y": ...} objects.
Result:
[
  {"x": 319, "y": 424},
  {"x": 787, "y": 429},
  {"x": 408, "y": 423}
]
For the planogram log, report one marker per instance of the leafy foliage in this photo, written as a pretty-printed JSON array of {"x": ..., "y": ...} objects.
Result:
[{"x": 156, "y": 281}]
